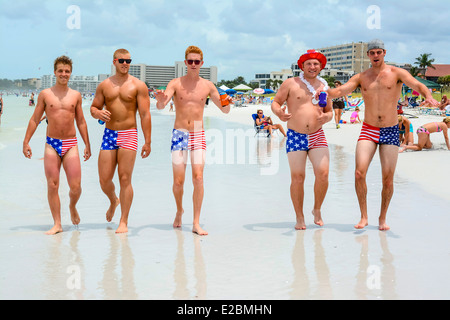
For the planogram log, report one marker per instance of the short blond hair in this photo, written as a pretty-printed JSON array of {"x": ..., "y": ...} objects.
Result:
[
  {"x": 63, "y": 60},
  {"x": 120, "y": 51},
  {"x": 193, "y": 49},
  {"x": 446, "y": 119}
]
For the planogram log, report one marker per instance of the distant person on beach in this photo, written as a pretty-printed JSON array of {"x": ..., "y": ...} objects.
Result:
[
  {"x": 189, "y": 94},
  {"x": 267, "y": 123},
  {"x": 338, "y": 106},
  {"x": 1, "y": 107},
  {"x": 305, "y": 137},
  {"x": 424, "y": 132},
  {"x": 405, "y": 128},
  {"x": 122, "y": 95},
  {"x": 62, "y": 106},
  {"x": 380, "y": 86}
]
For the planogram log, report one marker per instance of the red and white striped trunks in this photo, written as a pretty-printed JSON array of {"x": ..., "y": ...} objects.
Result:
[
  {"x": 387, "y": 135},
  {"x": 183, "y": 140},
  {"x": 124, "y": 139},
  {"x": 304, "y": 142},
  {"x": 61, "y": 146}
]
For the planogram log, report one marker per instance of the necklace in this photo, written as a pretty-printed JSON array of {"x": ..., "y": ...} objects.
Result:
[{"x": 311, "y": 88}]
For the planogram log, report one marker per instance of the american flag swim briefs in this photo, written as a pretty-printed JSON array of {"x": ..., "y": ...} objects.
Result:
[
  {"x": 124, "y": 139},
  {"x": 387, "y": 135},
  {"x": 305, "y": 142},
  {"x": 183, "y": 140},
  {"x": 61, "y": 146}
]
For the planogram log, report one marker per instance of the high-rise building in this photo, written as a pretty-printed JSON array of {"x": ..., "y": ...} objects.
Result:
[
  {"x": 157, "y": 76},
  {"x": 348, "y": 57}
]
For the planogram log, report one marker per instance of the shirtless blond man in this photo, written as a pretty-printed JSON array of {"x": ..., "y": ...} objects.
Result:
[
  {"x": 122, "y": 95},
  {"x": 189, "y": 95},
  {"x": 381, "y": 88},
  {"x": 306, "y": 138},
  {"x": 62, "y": 106}
]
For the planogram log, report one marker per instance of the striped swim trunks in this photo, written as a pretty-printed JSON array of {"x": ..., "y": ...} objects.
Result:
[
  {"x": 183, "y": 140},
  {"x": 124, "y": 139},
  {"x": 61, "y": 146},
  {"x": 305, "y": 142},
  {"x": 387, "y": 135}
]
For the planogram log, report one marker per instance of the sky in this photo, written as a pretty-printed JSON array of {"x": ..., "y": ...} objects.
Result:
[{"x": 240, "y": 37}]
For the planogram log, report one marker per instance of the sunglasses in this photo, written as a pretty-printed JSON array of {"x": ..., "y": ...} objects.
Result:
[
  {"x": 197, "y": 62},
  {"x": 128, "y": 61}
]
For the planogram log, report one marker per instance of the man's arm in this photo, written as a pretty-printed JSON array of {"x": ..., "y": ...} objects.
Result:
[
  {"x": 279, "y": 100},
  {"x": 82, "y": 127},
  {"x": 163, "y": 97},
  {"x": 143, "y": 103},
  {"x": 98, "y": 103},
  {"x": 215, "y": 98},
  {"x": 411, "y": 82},
  {"x": 346, "y": 88},
  {"x": 33, "y": 124}
]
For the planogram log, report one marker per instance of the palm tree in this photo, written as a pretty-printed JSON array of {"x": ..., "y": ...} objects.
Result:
[
  {"x": 414, "y": 71},
  {"x": 424, "y": 61}
]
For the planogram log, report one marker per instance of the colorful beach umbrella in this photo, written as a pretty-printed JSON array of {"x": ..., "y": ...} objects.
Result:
[{"x": 258, "y": 91}]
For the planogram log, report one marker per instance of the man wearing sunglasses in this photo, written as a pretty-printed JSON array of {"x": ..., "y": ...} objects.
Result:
[
  {"x": 189, "y": 94},
  {"x": 122, "y": 95}
]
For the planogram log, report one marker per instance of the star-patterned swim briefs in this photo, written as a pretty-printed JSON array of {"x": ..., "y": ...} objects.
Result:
[
  {"x": 387, "y": 135},
  {"x": 305, "y": 142},
  {"x": 124, "y": 139},
  {"x": 61, "y": 146},
  {"x": 183, "y": 140}
]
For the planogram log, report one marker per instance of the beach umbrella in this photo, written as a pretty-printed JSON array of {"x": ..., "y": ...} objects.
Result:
[
  {"x": 266, "y": 91},
  {"x": 242, "y": 87},
  {"x": 258, "y": 91},
  {"x": 230, "y": 91}
]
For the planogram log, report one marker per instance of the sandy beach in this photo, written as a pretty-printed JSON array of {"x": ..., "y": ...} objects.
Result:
[{"x": 252, "y": 250}]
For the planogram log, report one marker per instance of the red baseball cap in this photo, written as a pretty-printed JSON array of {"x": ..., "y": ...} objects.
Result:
[{"x": 312, "y": 54}]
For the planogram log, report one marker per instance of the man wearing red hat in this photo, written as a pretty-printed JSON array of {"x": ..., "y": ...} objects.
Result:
[
  {"x": 305, "y": 137},
  {"x": 380, "y": 86}
]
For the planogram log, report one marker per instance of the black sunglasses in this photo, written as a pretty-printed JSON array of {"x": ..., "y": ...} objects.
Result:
[
  {"x": 128, "y": 61},
  {"x": 197, "y": 62}
]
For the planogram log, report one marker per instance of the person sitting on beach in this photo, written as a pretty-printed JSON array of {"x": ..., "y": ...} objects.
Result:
[
  {"x": 444, "y": 102},
  {"x": 354, "y": 117},
  {"x": 62, "y": 106},
  {"x": 423, "y": 135},
  {"x": 266, "y": 123},
  {"x": 406, "y": 134},
  {"x": 306, "y": 138}
]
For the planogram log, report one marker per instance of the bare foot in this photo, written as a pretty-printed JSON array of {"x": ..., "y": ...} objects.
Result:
[
  {"x": 363, "y": 223},
  {"x": 401, "y": 149},
  {"x": 74, "y": 216},
  {"x": 317, "y": 217},
  {"x": 123, "y": 228},
  {"x": 112, "y": 210},
  {"x": 56, "y": 229},
  {"x": 300, "y": 224},
  {"x": 383, "y": 226},
  {"x": 198, "y": 230},
  {"x": 177, "y": 220}
]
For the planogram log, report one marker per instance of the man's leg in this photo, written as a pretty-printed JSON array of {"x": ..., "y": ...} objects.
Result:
[
  {"x": 363, "y": 156},
  {"x": 320, "y": 159},
  {"x": 125, "y": 165},
  {"x": 388, "y": 159},
  {"x": 297, "y": 163},
  {"x": 107, "y": 162},
  {"x": 72, "y": 167},
  {"x": 198, "y": 164},
  {"x": 179, "y": 160},
  {"x": 52, "y": 167}
]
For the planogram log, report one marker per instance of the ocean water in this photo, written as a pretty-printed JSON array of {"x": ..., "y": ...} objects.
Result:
[{"x": 252, "y": 251}]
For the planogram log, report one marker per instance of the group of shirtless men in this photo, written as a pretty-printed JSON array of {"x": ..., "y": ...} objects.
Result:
[{"x": 118, "y": 98}]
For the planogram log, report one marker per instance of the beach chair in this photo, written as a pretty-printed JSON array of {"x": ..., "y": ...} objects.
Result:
[{"x": 259, "y": 129}]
